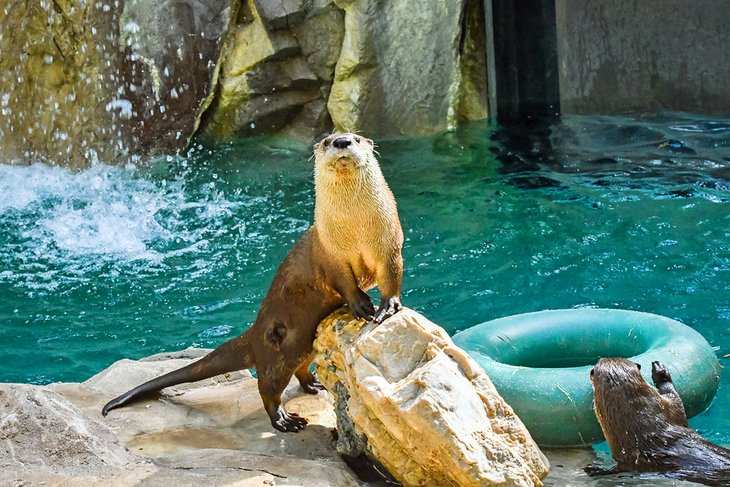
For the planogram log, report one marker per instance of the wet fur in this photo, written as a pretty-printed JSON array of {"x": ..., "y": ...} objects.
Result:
[
  {"x": 646, "y": 427},
  {"x": 354, "y": 244}
]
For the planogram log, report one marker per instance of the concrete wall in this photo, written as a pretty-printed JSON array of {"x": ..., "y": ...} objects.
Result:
[{"x": 617, "y": 56}]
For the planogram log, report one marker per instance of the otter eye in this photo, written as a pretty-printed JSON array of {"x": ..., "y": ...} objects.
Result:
[
  {"x": 638, "y": 366},
  {"x": 326, "y": 142},
  {"x": 592, "y": 372},
  {"x": 357, "y": 139}
]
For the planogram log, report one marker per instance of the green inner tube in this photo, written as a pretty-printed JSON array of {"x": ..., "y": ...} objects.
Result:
[{"x": 540, "y": 364}]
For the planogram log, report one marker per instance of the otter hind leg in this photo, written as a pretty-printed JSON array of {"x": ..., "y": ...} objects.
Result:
[
  {"x": 272, "y": 382},
  {"x": 281, "y": 419},
  {"x": 308, "y": 379}
]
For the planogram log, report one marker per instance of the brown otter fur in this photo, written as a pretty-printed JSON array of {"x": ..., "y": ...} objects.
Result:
[
  {"x": 354, "y": 244},
  {"x": 647, "y": 429}
]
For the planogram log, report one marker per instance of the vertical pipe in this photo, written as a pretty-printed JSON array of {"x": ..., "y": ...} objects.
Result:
[
  {"x": 491, "y": 65},
  {"x": 524, "y": 39}
]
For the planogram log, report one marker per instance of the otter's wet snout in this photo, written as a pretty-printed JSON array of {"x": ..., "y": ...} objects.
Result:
[{"x": 342, "y": 142}]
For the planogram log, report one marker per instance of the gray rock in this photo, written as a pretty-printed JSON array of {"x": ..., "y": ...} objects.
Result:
[
  {"x": 320, "y": 38},
  {"x": 276, "y": 14},
  {"x": 42, "y": 431}
]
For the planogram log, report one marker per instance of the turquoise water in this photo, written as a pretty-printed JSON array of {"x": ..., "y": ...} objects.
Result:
[{"x": 116, "y": 262}]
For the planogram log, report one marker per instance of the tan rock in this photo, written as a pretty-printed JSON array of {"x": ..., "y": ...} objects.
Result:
[
  {"x": 399, "y": 70},
  {"x": 420, "y": 406},
  {"x": 276, "y": 71},
  {"x": 212, "y": 433}
]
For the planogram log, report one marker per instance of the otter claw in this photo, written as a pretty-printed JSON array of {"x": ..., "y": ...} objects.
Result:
[
  {"x": 363, "y": 309},
  {"x": 388, "y": 307},
  {"x": 288, "y": 422},
  {"x": 313, "y": 386}
]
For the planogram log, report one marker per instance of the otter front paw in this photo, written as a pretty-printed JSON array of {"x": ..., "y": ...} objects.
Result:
[
  {"x": 659, "y": 374},
  {"x": 595, "y": 470},
  {"x": 388, "y": 307},
  {"x": 362, "y": 307}
]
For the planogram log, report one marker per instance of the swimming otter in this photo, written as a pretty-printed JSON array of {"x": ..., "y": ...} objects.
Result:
[
  {"x": 647, "y": 429},
  {"x": 354, "y": 244}
]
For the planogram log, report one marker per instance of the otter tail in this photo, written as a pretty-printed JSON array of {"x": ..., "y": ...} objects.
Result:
[{"x": 231, "y": 356}]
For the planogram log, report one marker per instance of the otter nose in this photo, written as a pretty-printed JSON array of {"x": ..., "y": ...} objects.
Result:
[{"x": 342, "y": 142}]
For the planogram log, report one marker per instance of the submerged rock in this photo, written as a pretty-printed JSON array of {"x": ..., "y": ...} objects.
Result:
[{"x": 407, "y": 397}]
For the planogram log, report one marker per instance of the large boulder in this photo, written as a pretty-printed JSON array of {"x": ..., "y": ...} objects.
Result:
[
  {"x": 400, "y": 70},
  {"x": 411, "y": 400},
  {"x": 84, "y": 80}
]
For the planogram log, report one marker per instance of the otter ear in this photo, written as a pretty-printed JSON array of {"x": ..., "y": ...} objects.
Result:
[
  {"x": 638, "y": 366},
  {"x": 369, "y": 141}
]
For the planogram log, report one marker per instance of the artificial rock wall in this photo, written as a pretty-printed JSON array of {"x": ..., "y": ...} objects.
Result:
[{"x": 82, "y": 80}]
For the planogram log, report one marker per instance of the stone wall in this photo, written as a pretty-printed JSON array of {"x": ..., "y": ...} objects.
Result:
[
  {"x": 111, "y": 80},
  {"x": 643, "y": 55}
]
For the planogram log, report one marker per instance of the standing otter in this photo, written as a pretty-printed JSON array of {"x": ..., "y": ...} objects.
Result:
[
  {"x": 354, "y": 244},
  {"x": 647, "y": 429}
]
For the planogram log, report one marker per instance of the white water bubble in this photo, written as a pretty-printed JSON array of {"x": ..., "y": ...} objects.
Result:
[
  {"x": 132, "y": 27},
  {"x": 124, "y": 107}
]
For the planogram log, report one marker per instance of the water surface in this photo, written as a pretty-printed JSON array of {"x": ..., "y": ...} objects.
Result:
[{"x": 115, "y": 262}]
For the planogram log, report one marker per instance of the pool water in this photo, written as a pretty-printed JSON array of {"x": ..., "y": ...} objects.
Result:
[{"x": 115, "y": 262}]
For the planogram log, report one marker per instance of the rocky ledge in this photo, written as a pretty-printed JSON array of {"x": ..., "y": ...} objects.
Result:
[{"x": 213, "y": 432}]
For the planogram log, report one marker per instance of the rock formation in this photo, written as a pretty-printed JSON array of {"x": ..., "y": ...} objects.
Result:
[
  {"x": 407, "y": 397},
  {"x": 212, "y": 433},
  {"x": 277, "y": 68},
  {"x": 81, "y": 81},
  {"x": 302, "y": 67}
]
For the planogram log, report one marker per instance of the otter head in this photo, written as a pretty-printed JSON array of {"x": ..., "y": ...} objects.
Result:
[
  {"x": 617, "y": 374},
  {"x": 342, "y": 155},
  {"x": 626, "y": 407},
  {"x": 615, "y": 381}
]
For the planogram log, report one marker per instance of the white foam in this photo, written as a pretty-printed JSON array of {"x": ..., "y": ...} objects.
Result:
[{"x": 107, "y": 212}]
